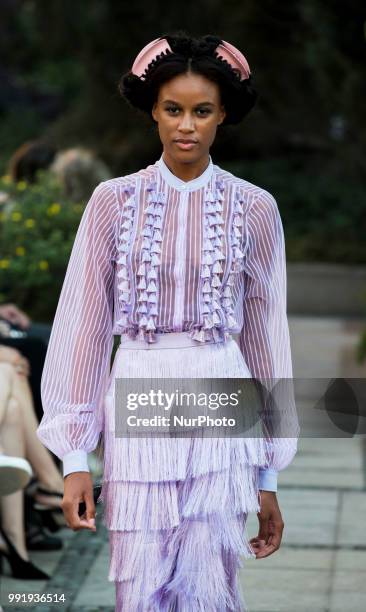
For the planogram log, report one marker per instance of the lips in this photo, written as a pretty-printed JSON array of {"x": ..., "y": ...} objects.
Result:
[{"x": 184, "y": 141}]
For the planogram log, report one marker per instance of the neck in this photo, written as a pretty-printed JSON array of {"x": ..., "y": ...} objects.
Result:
[{"x": 186, "y": 171}]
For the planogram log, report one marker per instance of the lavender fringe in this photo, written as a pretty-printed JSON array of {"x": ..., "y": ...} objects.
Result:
[{"x": 176, "y": 508}]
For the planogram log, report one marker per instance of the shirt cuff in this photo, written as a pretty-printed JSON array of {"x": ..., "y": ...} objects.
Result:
[
  {"x": 267, "y": 479},
  {"x": 75, "y": 461}
]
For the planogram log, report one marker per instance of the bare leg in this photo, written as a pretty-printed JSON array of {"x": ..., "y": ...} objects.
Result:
[
  {"x": 5, "y": 388},
  {"x": 12, "y": 506},
  {"x": 39, "y": 457},
  {"x": 6, "y": 377}
]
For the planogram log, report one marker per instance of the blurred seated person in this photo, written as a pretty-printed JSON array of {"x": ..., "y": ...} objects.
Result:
[
  {"x": 15, "y": 473},
  {"x": 18, "y": 440},
  {"x": 30, "y": 157},
  {"x": 14, "y": 371},
  {"x": 30, "y": 341},
  {"x": 77, "y": 169}
]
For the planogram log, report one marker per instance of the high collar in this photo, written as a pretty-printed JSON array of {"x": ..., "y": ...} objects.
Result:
[{"x": 177, "y": 183}]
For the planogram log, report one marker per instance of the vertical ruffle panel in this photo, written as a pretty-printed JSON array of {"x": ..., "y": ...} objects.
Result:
[
  {"x": 236, "y": 232},
  {"x": 150, "y": 260},
  {"x": 124, "y": 249},
  {"x": 213, "y": 326},
  {"x": 217, "y": 310}
]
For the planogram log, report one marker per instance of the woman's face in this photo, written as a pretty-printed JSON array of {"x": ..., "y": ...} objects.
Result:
[{"x": 188, "y": 111}]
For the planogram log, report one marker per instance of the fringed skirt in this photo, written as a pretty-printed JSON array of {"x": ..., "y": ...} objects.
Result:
[{"x": 176, "y": 508}]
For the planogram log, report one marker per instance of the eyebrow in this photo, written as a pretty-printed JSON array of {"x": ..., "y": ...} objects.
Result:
[{"x": 199, "y": 103}]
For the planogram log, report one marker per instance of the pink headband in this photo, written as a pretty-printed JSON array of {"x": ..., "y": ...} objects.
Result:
[{"x": 225, "y": 51}]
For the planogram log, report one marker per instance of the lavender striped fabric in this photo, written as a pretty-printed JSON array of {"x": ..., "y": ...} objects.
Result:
[{"x": 90, "y": 310}]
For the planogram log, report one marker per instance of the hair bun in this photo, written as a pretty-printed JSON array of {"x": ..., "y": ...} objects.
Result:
[
  {"x": 181, "y": 43},
  {"x": 187, "y": 46}
]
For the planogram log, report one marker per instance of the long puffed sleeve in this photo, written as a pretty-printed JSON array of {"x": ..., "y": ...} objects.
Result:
[
  {"x": 264, "y": 339},
  {"x": 76, "y": 367}
]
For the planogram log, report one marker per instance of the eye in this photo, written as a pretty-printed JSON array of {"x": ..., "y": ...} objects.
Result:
[
  {"x": 171, "y": 109},
  {"x": 205, "y": 111}
]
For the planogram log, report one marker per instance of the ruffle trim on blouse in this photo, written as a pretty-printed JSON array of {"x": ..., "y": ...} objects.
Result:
[
  {"x": 123, "y": 285},
  {"x": 217, "y": 311},
  {"x": 150, "y": 260}
]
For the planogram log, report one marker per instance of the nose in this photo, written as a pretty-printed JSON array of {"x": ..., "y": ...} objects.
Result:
[{"x": 187, "y": 124}]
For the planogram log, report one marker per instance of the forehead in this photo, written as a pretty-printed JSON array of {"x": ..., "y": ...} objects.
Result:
[{"x": 189, "y": 88}]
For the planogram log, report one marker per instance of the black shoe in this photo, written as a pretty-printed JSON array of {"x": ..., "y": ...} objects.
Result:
[
  {"x": 35, "y": 487},
  {"x": 20, "y": 568},
  {"x": 39, "y": 518},
  {"x": 48, "y": 521},
  {"x": 38, "y": 539}
]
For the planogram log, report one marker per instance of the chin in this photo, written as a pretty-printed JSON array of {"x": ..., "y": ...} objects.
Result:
[{"x": 187, "y": 156}]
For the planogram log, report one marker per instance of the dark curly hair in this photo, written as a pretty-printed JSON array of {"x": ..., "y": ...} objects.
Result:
[{"x": 197, "y": 55}]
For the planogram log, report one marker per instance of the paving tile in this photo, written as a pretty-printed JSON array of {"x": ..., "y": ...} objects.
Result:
[
  {"x": 349, "y": 601},
  {"x": 322, "y": 477},
  {"x": 96, "y": 587},
  {"x": 289, "y": 558},
  {"x": 353, "y": 581},
  {"x": 351, "y": 531},
  {"x": 285, "y": 591},
  {"x": 350, "y": 560}
]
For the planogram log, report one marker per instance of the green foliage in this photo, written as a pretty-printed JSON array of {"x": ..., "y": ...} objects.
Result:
[
  {"x": 37, "y": 231},
  {"x": 323, "y": 214}
]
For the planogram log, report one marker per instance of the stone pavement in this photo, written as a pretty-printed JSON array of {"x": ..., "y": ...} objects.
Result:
[{"x": 321, "y": 565}]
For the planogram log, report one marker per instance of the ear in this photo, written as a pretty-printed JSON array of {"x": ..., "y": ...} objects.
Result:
[
  {"x": 153, "y": 112},
  {"x": 222, "y": 114}
]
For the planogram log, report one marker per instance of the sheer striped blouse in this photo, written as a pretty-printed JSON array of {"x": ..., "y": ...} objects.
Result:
[{"x": 155, "y": 254}]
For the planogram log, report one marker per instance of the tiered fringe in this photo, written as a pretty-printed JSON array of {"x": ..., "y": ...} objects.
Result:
[{"x": 176, "y": 508}]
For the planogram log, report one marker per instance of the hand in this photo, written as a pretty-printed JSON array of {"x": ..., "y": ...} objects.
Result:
[
  {"x": 270, "y": 526},
  {"x": 16, "y": 359},
  {"x": 78, "y": 487},
  {"x": 14, "y": 315}
]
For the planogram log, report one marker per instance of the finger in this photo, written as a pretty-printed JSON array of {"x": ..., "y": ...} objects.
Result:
[
  {"x": 273, "y": 544},
  {"x": 263, "y": 529},
  {"x": 276, "y": 538},
  {"x": 72, "y": 518},
  {"x": 258, "y": 546},
  {"x": 87, "y": 524},
  {"x": 267, "y": 550},
  {"x": 90, "y": 510}
]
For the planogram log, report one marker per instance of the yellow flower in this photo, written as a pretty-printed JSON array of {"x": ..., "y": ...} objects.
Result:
[
  {"x": 4, "y": 263},
  {"x": 20, "y": 250},
  {"x": 21, "y": 185},
  {"x": 6, "y": 179},
  {"x": 16, "y": 216},
  {"x": 43, "y": 264},
  {"x": 29, "y": 223},
  {"x": 54, "y": 209}
]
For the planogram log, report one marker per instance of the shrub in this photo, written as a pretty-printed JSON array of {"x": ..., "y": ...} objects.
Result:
[{"x": 37, "y": 230}]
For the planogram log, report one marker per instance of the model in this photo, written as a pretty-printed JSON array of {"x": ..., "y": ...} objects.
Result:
[{"x": 174, "y": 259}]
